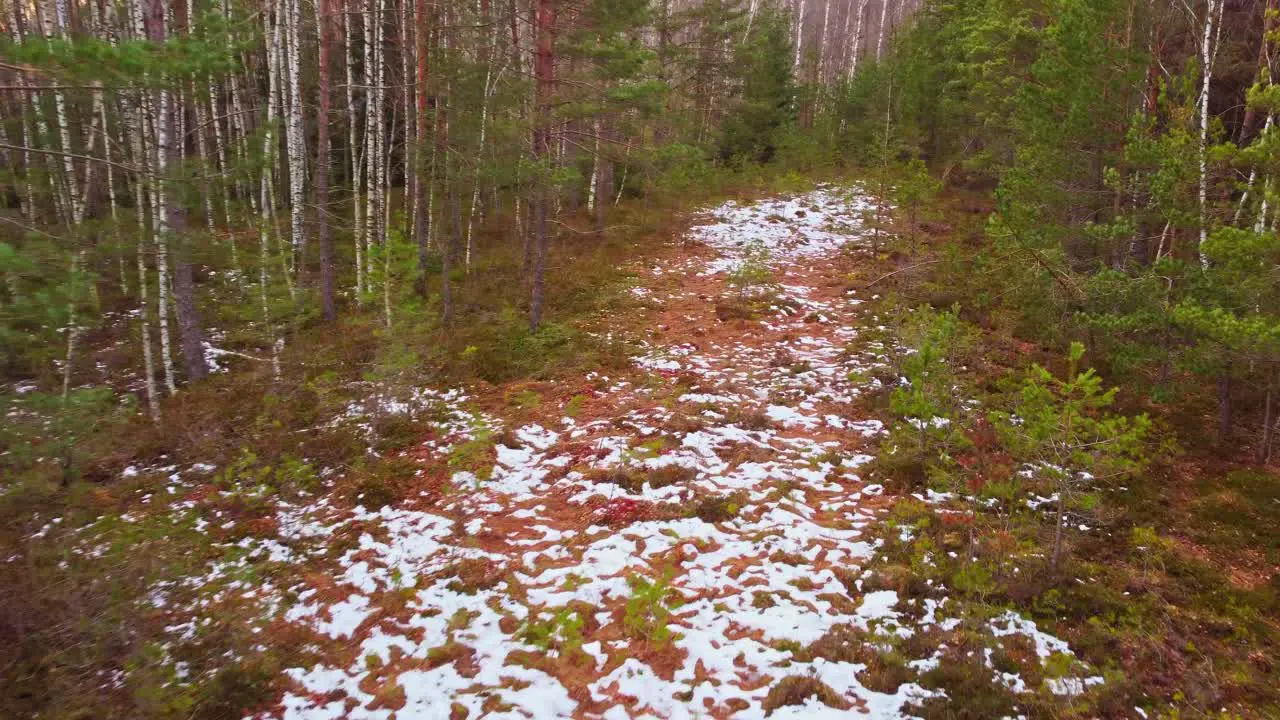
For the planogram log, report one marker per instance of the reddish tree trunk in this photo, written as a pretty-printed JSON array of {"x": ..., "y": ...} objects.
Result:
[
  {"x": 322, "y": 168},
  {"x": 544, "y": 71},
  {"x": 1264, "y": 65},
  {"x": 422, "y": 224},
  {"x": 442, "y": 162}
]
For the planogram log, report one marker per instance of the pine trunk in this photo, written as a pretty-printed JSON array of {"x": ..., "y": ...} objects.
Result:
[
  {"x": 422, "y": 216},
  {"x": 323, "y": 229},
  {"x": 544, "y": 70}
]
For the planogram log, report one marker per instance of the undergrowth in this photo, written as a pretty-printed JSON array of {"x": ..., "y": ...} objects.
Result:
[{"x": 1043, "y": 489}]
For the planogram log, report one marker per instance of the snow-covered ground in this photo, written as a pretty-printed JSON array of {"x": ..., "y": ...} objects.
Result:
[{"x": 722, "y": 471}]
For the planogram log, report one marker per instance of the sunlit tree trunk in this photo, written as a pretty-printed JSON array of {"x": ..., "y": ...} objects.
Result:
[
  {"x": 154, "y": 106},
  {"x": 382, "y": 151},
  {"x": 884, "y": 13},
  {"x": 856, "y": 49},
  {"x": 266, "y": 201},
  {"x": 604, "y": 172},
  {"x": 353, "y": 150},
  {"x": 795, "y": 65},
  {"x": 55, "y": 23},
  {"x": 822, "y": 41},
  {"x": 144, "y": 317},
  {"x": 1208, "y": 48},
  {"x": 375, "y": 128},
  {"x": 294, "y": 134}
]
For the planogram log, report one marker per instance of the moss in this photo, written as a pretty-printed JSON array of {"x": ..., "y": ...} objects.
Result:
[
  {"x": 475, "y": 455},
  {"x": 842, "y": 643},
  {"x": 574, "y": 407},
  {"x": 734, "y": 309},
  {"x": 761, "y": 600},
  {"x": 971, "y": 692},
  {"x": 379, "y": 483},
  {"x": 786, "y": 558},
  {"x": 624, "y": 477},
  {"x": 473, "y": 575},
  {"x": 236, "y": 688},
  {"x": 525, "y": 399},
  {"x": 670, "y": 475},
  {"x": 718, "y": 508},
  {"x": 446, "y": 654},
  {"x": 747, "y": 418},
  {"x": 798, "y": 689},
  {"x": 394, "y": 431},
  {"x": 901, "y": 472},
  {"x": 885, "y": 672},
  {"x": 899, "y": 578},
  {"x": 1236, "y": 513}
]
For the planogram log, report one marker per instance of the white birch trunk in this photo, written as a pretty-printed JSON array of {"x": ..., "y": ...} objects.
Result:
[
  {"x": 61, "y": 204},
  {"x": 475, "y": 189},
  {"x": 386, "y": 225},
  {"x": 595, "y": 170},
  {"x": 822, "y": 41},
  {"x": 135, "y": 116},
  {"x": 294, "y": 134},
  {"x": 276, "y": 86},
  {"x": 373, "y": 118},
  {"x": 884, "y": 12},
  {"x": 267, "y": 202},
  {"x": 64, "y": 129},
  {"x": 1207, "y": 51},
  {"x": 857, "y": 38},
  {"x": 795, "y": 67},
  {"x": 160, "y": 236},
  {"x": 408, "y": 89},
  {"x": 144, "y": 315},
  {"x": 158, "y": 110},
  {"x": 751, "y": 19},
  {"x": 357, "y": 171}
]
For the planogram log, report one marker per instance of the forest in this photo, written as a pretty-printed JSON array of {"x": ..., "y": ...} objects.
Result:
[{"x": 639, "y": 358}]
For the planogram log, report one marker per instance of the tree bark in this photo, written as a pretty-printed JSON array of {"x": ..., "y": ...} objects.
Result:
[
  {"x": 857, "y": 38},
  {"x": 884, "y": 11},
  {"x": 795, "y": 65},
  {"x": 324, "y": 231},
  {"x": 544, "y": 71},
  {"x": 169, "y": 220},
  {"x": 422, "y": 217},
  {"x": 441, "y": 164},
  {"x": 354, "y": 151},
  {"x": 294, "y": 141},
  {"x": 1224, "y": 405},
  {"x": 1264, "y": 68},
  {"x": 1208, "y": 48}
]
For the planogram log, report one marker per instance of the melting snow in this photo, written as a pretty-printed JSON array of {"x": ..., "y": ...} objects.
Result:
[{"x": 424, "y": 608}]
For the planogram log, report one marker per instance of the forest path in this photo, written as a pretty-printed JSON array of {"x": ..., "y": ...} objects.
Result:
[{"x": 665, "y": 541}]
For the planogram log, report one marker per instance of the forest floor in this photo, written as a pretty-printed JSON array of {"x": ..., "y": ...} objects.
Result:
[
  {"x": 689, "y": 537},
  {"x": 687, "y": 505}
]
